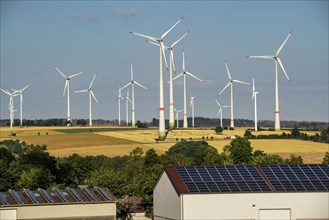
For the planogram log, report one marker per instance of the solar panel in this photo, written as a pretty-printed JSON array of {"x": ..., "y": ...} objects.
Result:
[
  {"x": 16, "y": 195},
  {"x": 3, "y": 198},
  {"x": 46, "y": 194},
  {"x": 222, "y": 179},
  {"x": 75, "y": 194},
  {"x": 89, "y": 193},
  {"x": 103, "y": 192},
  {"x": 32, "y": 196},
  {"x": 304, "y": 177},
  {"x": 60, "y": 194}
]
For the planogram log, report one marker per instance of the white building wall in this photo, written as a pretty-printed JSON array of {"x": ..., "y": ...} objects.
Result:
[
  {"x": 8, "y": 214},
  {"x": 166, "y": 202},
  {"x": 248, "y": 205},
  {"x": 60, "y": 211}
]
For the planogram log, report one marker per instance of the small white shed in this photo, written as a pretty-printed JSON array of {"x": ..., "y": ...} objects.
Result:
[{"x": 290, "y": 192}]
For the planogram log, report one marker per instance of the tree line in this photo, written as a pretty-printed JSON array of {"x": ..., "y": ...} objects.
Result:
[
  {"x": 30, "y": 166},
  {"x": 199, "y": 122}
]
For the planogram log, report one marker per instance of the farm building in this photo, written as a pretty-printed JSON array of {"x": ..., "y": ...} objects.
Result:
[
  {"x": 243, "y": 192},
  {"x": 75, "y": 204}
]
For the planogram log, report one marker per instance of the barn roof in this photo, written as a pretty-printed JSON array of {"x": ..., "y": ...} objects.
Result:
[
  {"x": 56, "y": 196},
  {"x": 249, "y": 178}
]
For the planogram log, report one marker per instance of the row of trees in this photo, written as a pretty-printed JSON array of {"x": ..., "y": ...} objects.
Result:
[
  {"x": 199, "y": 122},
  {"x": 323, "y": 136},
  {"x": 28, "y": 166}
]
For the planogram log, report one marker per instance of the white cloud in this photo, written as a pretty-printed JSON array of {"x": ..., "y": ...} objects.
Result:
[{"x": 127, "y": 12}]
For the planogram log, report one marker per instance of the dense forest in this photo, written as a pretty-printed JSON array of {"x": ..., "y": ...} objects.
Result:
[
  {"x": 199, "y": 122},
  {"x": 27, "y": 166}
]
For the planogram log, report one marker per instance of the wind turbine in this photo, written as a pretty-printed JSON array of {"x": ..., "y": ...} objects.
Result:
[
  {"x": 220, "y": 111},
  {"x": 11, "y": 107},
  {"x": 162, "y": 132},
  {"x": 118, "y": 99},
  {"x": 127, "y": 99},
  {"x": 177, "y": 124},
  {"x": 91, "y": 94},
  {"x": 277, "y": 60},
  {"x": 132, "y": 83},
  {"x": 230, "y": 83},
  {"x": 171, "y": 68},
  {"x": 192, "y": 107},
  {"x": 67, "y": 88},
  {"x": 20, "y": 92},
  {"x": 254, "y": 97},
  {"x": 184, "y": 73}
]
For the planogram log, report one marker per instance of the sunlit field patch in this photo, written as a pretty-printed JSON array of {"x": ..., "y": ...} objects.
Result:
[{"x": 119, "y": 141}]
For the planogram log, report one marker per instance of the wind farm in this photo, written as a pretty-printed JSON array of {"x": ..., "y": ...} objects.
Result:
[{"x": 206, "y": 92}]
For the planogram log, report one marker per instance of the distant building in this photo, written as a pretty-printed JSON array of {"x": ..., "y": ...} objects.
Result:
[
  {"x": 75, "y": 204},
  {"x": 262, "y": 192}
]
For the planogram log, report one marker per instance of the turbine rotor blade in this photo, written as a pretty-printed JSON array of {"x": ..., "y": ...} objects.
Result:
[
  {"x": 164, "y": 55},
  {"x": 179, "y": 75},
  {"x": 179, "y": 39},
  {"x": 140, "y": 85},
  {"x": 65, "y": 77},
  {"x": 92, "y": 81},
  {"x": 194, "y": 76},
  {"x": 227, "y": 70},
  {"x": 24, "y": 88},
  {"x": 262, "y": 57},
  {"x": 280, "y": 48},
  {"x": 238, "y": 81},
  {"x": 74, "y": 75},
  {"x": 126, "y": 85},
  {"x": 84, "y": 90},
  {"x": 217, "y": 103},
  {"x": 227, "y": 85},
  {"x": 172, "y": 60},
  {"x": 279, "y": 61},
  {"x": 165, "y": 33},
  {"x": 92, "y": 93},
  {"x": 148, "y": 37},
  {"x": 66, "y": 82},
  {"x": 183, "y": 62}
]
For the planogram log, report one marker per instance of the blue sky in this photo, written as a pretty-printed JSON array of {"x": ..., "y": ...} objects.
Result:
[{"x": 93, "y": 36}]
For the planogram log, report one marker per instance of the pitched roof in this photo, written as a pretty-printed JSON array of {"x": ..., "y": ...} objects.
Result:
[
  {"x": 249, "y": 178},
  {"x": 56, "y": 196}
]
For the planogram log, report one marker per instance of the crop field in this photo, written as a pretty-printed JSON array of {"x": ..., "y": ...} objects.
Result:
[{"x": 118, "y": 141}]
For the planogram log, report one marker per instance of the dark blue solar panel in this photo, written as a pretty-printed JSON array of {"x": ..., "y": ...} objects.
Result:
[
  {"x": 32, "y": 196},
  {"x": 46, "y": 194},
  {"x": 103, "y": 192},
  {"x": 16, "y": 195},
  {"x": 60, "y": 194},
  {"x": 75, "y": 194},
  {"x": 248, "y": 179},
  {"x": 3, "y": 198},
  {"x": 89, "y": 193}
]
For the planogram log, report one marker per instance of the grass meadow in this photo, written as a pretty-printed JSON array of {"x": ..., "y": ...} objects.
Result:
[{"x": 118, "y": 141}]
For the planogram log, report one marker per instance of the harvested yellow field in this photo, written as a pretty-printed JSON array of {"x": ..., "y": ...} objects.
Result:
[{"x": 64, "y": 141}]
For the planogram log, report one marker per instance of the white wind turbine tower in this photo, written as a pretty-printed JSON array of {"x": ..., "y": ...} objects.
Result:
[
  {"x": 162, "y": 131},
  {"x": 67, "y": 88},
  {"x": 192, "y": 108},
  {"x": 277, "y": 60},
  {"x": 171, "y": 68},
  {"x": 20, "y": 92},
  {"x": 127, "y": 99},
  {"x": 230, "y": 83},
  {"x": 91, "y": 94},
  {"x": 254, "y": 97},
  {"x": 184, "y": 73},
  {"x": 132, "y": 83},
  {"x": 220, "y": 111},
  {"x": 11, "y": 107},
  {"x": 177, "y": 112},
  {"x": 118, "y": 99}
]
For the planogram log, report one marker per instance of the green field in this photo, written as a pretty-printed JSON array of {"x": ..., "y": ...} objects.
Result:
[{"x": 118, "y": 141}]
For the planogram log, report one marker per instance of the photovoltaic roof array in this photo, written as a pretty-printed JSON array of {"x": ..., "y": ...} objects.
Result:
[{"x": 249, "y": 178}]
